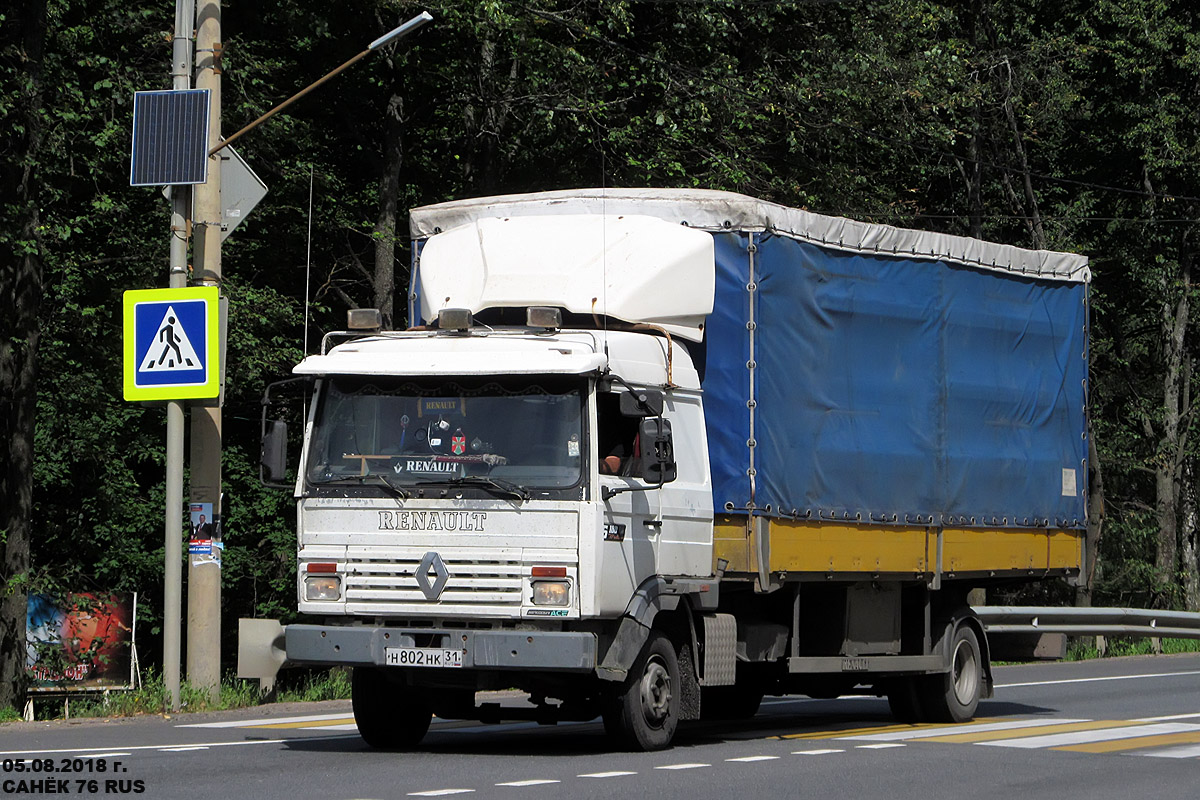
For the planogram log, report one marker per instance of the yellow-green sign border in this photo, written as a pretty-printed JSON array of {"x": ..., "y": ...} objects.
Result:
[{"x": 197, "y": 391}]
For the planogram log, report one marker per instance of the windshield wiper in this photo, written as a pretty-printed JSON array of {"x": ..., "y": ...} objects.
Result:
[
  {"x": 399, "y": 491},
  {"x": 499, "y": 485}
]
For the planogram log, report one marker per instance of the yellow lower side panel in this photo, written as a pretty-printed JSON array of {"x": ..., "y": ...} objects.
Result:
[{"x": 804, "y": 546}]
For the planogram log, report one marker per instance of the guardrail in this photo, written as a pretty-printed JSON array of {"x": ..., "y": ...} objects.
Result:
[{"x": 1090, "y": 621}]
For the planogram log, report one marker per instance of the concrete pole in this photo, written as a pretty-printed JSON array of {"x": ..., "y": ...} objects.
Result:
[
  {"x": 181, "y": 78},
  {"x": 204, "y": 578}
]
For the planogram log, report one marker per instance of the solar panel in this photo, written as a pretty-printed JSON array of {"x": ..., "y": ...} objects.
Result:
[{"x": 170, "y": 137}]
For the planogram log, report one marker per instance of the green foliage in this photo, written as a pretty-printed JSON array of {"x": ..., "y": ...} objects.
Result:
[{"x": 911, "y": 112}]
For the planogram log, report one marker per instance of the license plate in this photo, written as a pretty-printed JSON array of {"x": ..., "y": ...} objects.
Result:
[{"x": 422, "y": 657}]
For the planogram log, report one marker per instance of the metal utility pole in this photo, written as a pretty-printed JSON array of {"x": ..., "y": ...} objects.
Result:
[
  {"x": 204, "y": 574},
  {"x": 181, "y": 78}
]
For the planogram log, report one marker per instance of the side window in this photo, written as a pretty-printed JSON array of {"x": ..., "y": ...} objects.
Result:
[{"x": 616, "y": 437}]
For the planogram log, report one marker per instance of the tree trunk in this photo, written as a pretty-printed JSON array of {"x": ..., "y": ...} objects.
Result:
[
  {"x": 384, "y": 284},
  {"x": 1188, "y": 554},
  {"x": 20, "y": 299},
  {"x": 1095, "y": 525},
  {"x": 1171, "y": 448}
]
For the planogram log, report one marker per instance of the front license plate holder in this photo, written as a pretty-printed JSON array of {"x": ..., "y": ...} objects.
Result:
[{"x": 435, "y": 657}]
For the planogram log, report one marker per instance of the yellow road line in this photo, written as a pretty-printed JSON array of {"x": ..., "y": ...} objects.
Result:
[
  {"x": 1133, "y": 744},
  {"x": 833, "y": 734},
  {"x": 311, "y": 724},
  {"x": 1021, "y": 733}
]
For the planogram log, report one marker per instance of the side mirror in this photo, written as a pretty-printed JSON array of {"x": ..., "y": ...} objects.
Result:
[
  {"x": 658, "y": 450},
  {"x": 641, "y": 403},
  {"x": 273, "y": 461}
]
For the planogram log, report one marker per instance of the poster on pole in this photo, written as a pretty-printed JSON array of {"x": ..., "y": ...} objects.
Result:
[
  {"x": 82, "y": 642},
  {"x": 205, "y": 543}
]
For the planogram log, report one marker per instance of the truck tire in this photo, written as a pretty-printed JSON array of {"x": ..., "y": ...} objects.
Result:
[
  {"x": 954, "y": 696},
  {"x": 904, "y": 698},
  {"x": 389, "y": 715},
  {"x": 644, "y": 712}
]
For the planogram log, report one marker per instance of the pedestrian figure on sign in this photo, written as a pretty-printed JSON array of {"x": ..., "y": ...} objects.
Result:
[{"x": 167, "y": 335}]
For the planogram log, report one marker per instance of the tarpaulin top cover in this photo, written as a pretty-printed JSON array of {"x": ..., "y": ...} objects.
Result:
[{"x": 869, "y": 373}]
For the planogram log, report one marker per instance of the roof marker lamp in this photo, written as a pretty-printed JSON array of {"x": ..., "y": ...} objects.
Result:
[
  {"x": 543, "y": 317},
  {"x": 364, "y": 319},
  {"x": 455, "y": 319}
]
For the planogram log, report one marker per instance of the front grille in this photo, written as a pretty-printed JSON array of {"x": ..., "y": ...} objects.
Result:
[{"x": 475, "y": 584}]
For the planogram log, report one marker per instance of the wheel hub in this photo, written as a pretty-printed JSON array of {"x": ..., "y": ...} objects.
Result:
[{"x": 656, "y": 693}]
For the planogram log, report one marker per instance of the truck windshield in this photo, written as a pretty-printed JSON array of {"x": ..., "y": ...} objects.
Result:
[{"x": 407, "y": 432}]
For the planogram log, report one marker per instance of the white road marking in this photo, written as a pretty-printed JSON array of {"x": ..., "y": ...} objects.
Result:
[
  {"x": 683, "y": 766},
  {"x": 1182, "y": 751},
  {"x": 180, "y": 749},
  {"x": 440, "y": 792},
  {"x": 1097, "y": 680},
  {"x": 605, "y": 774},
  {"x": 815, "y": 752},
  {"x": 749, "y": 759},
  {"x": 164, "y": 747},
  {"x": 350, "y": 726},
  {"x": 250, "y": 723},
  {"x": 103, "y": 755},
  {"x": 1167, "y": 719},
  {"x": 979, "y": 727},
  {"x": 1101, "y": 735},
  {"x": 532, "y": 782},
  {"x": 880, "y": 746}
]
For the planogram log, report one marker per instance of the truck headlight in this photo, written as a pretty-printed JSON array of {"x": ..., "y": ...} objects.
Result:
[
  {"x": 551, "y": 593},
  {"x": 322, "y": 587}
]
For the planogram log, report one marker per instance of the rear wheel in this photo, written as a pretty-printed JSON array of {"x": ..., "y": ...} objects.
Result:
[
  {"x": 904, "y": 698},
  {"x": 388, "y": 715},
  {"x": 954, "y": 695},
  {"x": 645, "y": 711}
]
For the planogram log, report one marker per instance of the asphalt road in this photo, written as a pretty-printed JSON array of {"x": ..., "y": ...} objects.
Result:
[{"x": 1120, "y": 728}]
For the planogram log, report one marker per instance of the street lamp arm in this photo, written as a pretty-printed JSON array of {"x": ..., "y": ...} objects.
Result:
[{"x": 403, "y": 30}]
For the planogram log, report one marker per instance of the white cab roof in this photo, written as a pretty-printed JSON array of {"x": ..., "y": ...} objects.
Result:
[{"x": 637, "y": 357}]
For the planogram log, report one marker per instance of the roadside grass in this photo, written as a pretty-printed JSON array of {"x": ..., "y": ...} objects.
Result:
[
  {"x": 151, "y": 696},
  {"x": 1084, "y": 649}
]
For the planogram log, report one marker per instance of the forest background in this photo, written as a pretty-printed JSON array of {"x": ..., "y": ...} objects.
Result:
[{"x": 1063, "y": 125}]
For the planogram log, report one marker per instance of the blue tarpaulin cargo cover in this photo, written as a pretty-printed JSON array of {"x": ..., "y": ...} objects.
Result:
[{"x": 876, "y": 387}]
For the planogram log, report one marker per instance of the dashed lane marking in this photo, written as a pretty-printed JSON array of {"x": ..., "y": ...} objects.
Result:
[
  {"x": 530, "y": 782},
  {"x": 614, "y": 774},
  {"x": 683, "y": 766},
  {"x": 880, "y": 746},
  {"x": 823, "y": 752},
  {"x": 440, "y": 792},
  {"x": 751, "y": 759}
]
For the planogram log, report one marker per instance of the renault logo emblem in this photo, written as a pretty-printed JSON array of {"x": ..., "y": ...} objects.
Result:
[{"x": 432, "y": 575}]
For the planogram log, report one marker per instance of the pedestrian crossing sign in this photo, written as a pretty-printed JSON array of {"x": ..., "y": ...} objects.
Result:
[{"x": 171, "y": 344}]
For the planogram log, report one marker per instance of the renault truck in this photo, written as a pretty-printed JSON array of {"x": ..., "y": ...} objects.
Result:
[{"x": 649, "y": 455}]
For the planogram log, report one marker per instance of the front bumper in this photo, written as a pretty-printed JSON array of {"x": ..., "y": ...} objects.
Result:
[{"x": 551, "y": 651}]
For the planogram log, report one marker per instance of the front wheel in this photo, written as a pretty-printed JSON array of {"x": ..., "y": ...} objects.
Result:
[
  {"x": 954, "y": 695},
  {"x": 645, "y": 711},
  {"x": 389, "y": 715}
]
